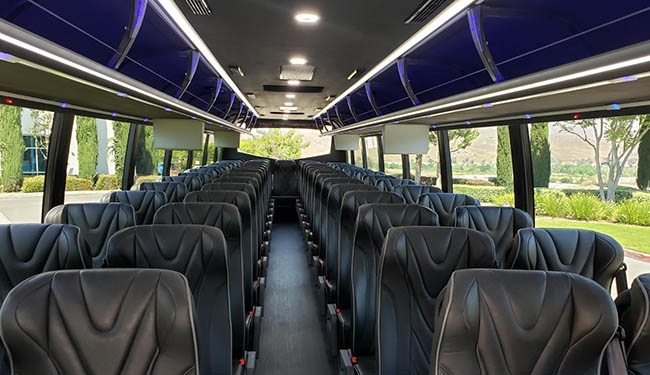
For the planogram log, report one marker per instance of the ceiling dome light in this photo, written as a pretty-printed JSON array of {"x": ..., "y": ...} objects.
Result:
[
  {"x": 293, "y": 82},
  {"x": 307, "y": 17},
  {"x": 288, "y": 104},
  {"x": 290, "y": 96},
  {"x": 298, "y": 61}
]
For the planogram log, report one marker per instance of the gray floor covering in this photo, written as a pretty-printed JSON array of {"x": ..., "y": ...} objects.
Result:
[{"x": 293, "y": 339}]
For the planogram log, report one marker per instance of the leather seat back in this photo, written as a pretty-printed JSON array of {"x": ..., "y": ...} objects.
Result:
[
  {"x": 174, "y": 191},
  {"x": 591, "y": 254},
  {"x": 285, "y": 178},
  {"x": 193, "y": 183},
  {"x": 249, "y": 251},
  {"x": 200, "y": 254},
  {"x": 332, "y": 224},
  {"x": 321, "y": 212},
  {"x": 445, "y": 204},
  {"x": 412, "y": 193},
  {"x": 97, "y": 222},
  {"x": 224, "y": 216},
  {"x": 416, "y": 264},
  {"x": 144, "y": 203},
  {"x": 634, "y": 309},
  {"x": 388, "y": 183},
  {"x": 500, "y": 223},
  {"x": 521, "y": 322},
  {"x": 373, "y": 222},
  {"x": 204, "y": 177},
  {"x": 101, "y": 322},
  {"x": 352, "y": 200},
  {"x": 252, "y": 195}
]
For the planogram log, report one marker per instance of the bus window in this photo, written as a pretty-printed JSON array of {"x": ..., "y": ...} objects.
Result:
[
  {"x": 393, "y": 165},
  {"x": 95, "y": 159},
  {"x": 425, "y": 169},
  {"x": 575, "y": 188},
  {"x": 358, "y": 155},
  {"x": 24, "y": 144},
  {"x": 372, "y": 152},
  {"x": 147, "y": 159},
  {"x": 285, "y": 143},
  {"x": 482, "y": 164}
]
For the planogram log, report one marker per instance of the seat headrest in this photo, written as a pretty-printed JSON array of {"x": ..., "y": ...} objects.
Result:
[
  {"x": 122, "y": 321},
  {"x": 521, "y": 322}
]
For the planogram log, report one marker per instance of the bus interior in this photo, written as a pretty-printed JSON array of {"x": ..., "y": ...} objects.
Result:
[{"x": 443, "y": 187}]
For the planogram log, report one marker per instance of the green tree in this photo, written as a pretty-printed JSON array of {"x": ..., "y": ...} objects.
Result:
[
  {"x": 623, "y": 135},
  {"x": 643, "y": 168},
  {"x": 12, "y": 148},
  {"x": 541, "y": 154},
  {"x": 41, "y": 130},
  {"x": 275, "y": 144},
  {"x": 459, "y": 139},
  {"x": 144, "y": 163},
  {"x": 87, "y": 151},
  {"x": 504, "y": 157},
  {"x": 118, "y": 147}
]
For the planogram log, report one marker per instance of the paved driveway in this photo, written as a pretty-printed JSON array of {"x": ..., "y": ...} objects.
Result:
[{"x": 26, "y": 207}]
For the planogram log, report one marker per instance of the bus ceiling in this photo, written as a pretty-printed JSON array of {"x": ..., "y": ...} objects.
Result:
[{"x": 467, "y": 63}]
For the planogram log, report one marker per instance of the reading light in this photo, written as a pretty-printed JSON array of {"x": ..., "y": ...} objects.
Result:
[
  {"x": 288, "y": 104},
  {"x": 298, "y": 61},
  {"x": 293, "y": 82},
  {"x": 528, "y": 116},
  {"x": 290, "y": 96},
  {"x": 114, "y": 114},
  {"x": 121, "y": 94},
  {"x": 64, "y": 105},
  {"x": 177, "y": 16},
  {"x": 351, "y": 75},
  {"x": 615, "y": 107},
  {"x": 307, "y": 17},
  {"x": 436, "y": 22},
  {"x": 576, "y": 116},
  {"x": 9, "y": 101}
]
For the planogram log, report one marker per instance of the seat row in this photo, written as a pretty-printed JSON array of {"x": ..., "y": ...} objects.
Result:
[
  {"x": 210, "y": 237},
  {"x": 346, "y": 224}
]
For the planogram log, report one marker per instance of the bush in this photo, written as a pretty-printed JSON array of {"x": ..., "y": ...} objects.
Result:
[
  {"x": 621, "y": 195},
  {"x": 12, "y": 148},
  {"x": 107, "y": 182},
  {"x": 551, "y": 203},
  {"x": 482, "y": 193},
  {"x": 640, "y": 197},
  {"x": 33, "y": 184},
  {"x": 631, "y": 212},
  {"x": 505, "y": 199},
  {"x": 74, "y": 183},
  {"x": 465, "y": 181},
  {"x": 585, "y": 206}
]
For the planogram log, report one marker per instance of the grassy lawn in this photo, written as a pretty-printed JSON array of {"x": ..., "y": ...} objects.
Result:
[{"x": 631, "y": 237}]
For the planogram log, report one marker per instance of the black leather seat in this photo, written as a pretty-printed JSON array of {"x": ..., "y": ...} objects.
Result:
[
  {"x": 250, "y": 256},
  {"x": 412, "y": 193},
  {"x": 193, "y": 183},
  {"x": 101, "y": 322},
  {"x": 174, "y": 191},
  {"x": 97, "y": 222},
  {"x": 634, "y": 310},
  {"x": 388, "y": 183},
  {"x": 590, "y": 254},
  {"x": 500, "y": 223},
  {"x": 29, "y": 249},
  {"x": 224, "y": 216},
  {"x": 200, "y": 254},
  {"x": 416, "y": 265},
  {"x": 521, "y": 322},
  {"x": 144, "y": 203},
  {"x": 372, "y": 224},
  {"x": 444, "y": 204}
]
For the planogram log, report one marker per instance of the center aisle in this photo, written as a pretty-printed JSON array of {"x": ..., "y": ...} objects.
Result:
[{"x": 293, "y": 338}]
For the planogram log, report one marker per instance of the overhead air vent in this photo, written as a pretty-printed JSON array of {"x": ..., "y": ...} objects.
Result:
[
  {"x": 296, "y": 89},
  {"x": 199, "y": 7},
  {"x": 297, "y": 72},
  {"x": 424, "y": 11}
]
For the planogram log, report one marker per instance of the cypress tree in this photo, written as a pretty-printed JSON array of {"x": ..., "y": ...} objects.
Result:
[
  {"x": 12, "y": 148},
  {"x": 144, "y": 155},
  {"x": 643, "y": 168},
  {"x": 541, "y": 154},
  {"x": 504, "y": 157},
  {"x": 87, "y": 151},
  {"x": 118, "y": 148}
]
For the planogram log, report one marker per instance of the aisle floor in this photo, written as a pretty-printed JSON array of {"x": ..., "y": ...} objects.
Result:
[{"x": 294, "y": 338}]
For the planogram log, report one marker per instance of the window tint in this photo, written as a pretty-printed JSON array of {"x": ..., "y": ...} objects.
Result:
[
  {"x": 426, "y": 168},
  {"x": 372, "y": 152},
  {"x": 482, "y": 164},
  {"x": 24, "y": 141},
  {"x": 566, "y": 157}
]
